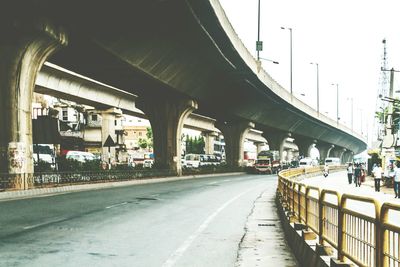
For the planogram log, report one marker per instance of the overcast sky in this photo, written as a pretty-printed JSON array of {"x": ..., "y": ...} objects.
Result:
[{"x": 343, "y": 36}]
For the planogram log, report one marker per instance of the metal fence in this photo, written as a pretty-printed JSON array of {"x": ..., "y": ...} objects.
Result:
[
  {"x": 366, "y": 239},
  {"x": 49, "y": 179}
]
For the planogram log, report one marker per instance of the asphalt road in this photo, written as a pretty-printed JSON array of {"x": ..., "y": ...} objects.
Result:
[{"x": 198, "y": 222}]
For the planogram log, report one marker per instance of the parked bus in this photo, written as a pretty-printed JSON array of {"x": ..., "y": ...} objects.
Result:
[
  {"x": 332, "y": 161},
  {"x": 200, "y": 160}
]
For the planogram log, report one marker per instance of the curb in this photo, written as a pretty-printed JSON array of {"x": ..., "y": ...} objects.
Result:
[{"x": 13, "y": 195}]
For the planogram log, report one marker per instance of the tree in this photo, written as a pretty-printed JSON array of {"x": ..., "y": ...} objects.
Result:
[
  {"x": 194, "y": 145},
  {"x": 149, "y": 135},
  {"x": 143, "y": 143}
]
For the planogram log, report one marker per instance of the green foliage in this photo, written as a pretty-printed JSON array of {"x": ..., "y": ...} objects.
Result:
[
  {"x": 74, "y": 165},
  {"x": 143, "y": 143},
  {"x": 149, "y": 136},
  {"x": 195, "y": 145},
  {"x": 43, "y": 166}
]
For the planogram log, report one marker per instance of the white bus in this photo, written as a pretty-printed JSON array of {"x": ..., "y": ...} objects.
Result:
[
  {"x": 332, "y": 161},
  {"x": 200, "y": 160}
]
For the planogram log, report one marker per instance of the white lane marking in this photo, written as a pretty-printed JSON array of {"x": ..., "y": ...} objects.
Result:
[
  {"x": 227, "y": 180},
  {"x": 116, "y": 205},
  {"x": 44, "y": 223},
  {"x": 186, "y": 244},
  {"x": 212, "y": 183}
]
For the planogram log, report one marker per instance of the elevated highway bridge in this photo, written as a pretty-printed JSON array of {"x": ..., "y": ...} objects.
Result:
[{"x": 177, "y": 56}]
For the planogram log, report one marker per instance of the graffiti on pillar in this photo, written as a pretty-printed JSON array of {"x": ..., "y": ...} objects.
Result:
[{"x": 17, "y": 157}]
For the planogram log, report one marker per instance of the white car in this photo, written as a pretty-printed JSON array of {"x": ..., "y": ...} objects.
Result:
[
  {"x": 80, "y": 156},
  {"x": 148, "y": 163}
]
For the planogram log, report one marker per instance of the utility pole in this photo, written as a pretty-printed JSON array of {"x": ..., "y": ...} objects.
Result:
[{"x": 259, "y": 45}]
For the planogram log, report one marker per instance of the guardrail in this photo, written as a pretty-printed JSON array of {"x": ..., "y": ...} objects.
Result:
[{"x": 366, "y": 239}]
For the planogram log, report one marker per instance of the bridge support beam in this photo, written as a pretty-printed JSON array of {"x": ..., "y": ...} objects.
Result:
[
  {"x": 166, "y": 115},
  {"x": 276, "y": 140},
  {"x": 324, "y": 150},
  {"x": 22, "y": 53},
  {"x": 304, "y": 145},
  {"x": 234, "y": 133},
  {"x": 209, "y": 138},
  {"x": 348, "y": 156}
]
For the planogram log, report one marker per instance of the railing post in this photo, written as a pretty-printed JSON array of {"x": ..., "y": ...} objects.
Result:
[
  {"x": 341, "y": 224},
  {"x": 292, "y": 198},
  {"x": 299, "y": 201},
  {"x": 307, "y": 190},
  {"x": 381, "y": 260},
  {"x": 321, "y": 217}
]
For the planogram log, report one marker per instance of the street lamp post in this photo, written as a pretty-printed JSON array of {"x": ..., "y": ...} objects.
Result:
[
  {"x": 337, "y": 102},
  {"x": 291, "y": 59},
  {"x": 258, "y": 43},
  {"x": 273, "y": 61},
  {"x": 316, "y": 64}
]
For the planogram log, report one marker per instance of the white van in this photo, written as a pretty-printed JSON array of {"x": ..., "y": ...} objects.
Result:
[
  {"x": 80, "y": 156},
  {"x": 332, "y": 161},
  {"x": 306, "y": 162},
  {"x": 199, "y": 160}
]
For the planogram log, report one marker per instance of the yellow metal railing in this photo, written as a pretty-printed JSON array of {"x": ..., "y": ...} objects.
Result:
[{"x": 365, "y": 238}]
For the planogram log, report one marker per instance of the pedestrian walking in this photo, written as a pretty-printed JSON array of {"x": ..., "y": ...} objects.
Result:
[
  {"x": 396, "y": 181},
  {"x": 377, "y": 172},
  {"x": 350, "y": 171},
  {"x": 362, "y": 174},
  {"x": 357, "y": 174}
]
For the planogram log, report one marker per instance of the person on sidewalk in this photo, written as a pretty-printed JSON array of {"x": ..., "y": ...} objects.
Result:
[
  {"x": 396, "y": 180},
  {"x": 357, "y": 174},
  {"x": 377, "y": 172},
  {"x": 350, "y": 171},
  {"x": 362, "y": 174}
]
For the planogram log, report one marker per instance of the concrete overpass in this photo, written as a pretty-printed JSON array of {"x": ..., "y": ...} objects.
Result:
[
  {"x": 61, "y": 83},
  {"x": 176, "y": 55}
]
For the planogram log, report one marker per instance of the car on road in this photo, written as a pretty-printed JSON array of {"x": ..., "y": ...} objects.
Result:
[
  {"x": 80, "y": 156},
  {"x": 148, "y": 163}
]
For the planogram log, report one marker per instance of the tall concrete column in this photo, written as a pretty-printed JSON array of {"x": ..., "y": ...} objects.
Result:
[
  {"x": 22, "y": 53},
  {"x": 341, "y": 155},
  {"x": 276, "y": 140},
  {"x": 108, "y": 118},
  {"x": 304, "y": 145},
  {"x": 234, "y": 133},
  {"x": 167, "y": 114},
  {"x": 209, "y": 137},
  {"x": 324, "y": 150}
]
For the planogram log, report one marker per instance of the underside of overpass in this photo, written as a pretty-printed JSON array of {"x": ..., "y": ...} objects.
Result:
[
  {"x": 182, "y": 50},
  {"x": 182, "y": 47}
]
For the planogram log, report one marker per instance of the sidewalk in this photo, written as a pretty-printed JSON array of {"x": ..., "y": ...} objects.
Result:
[
  {"x": 369, "y": 181},
  {"x": 338, "y": 182}
]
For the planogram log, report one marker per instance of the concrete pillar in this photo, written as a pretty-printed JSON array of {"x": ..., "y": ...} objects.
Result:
[
  {"x": 209, "y": 137},
  {"x": 324, "y": 150},
  {"x": 234, "y": 133},
  {"x": 108, "y": 127},
  {"x": 22, "y": 53},
  {"x": 341, "y": 156},
  {"x": 304, "y": 145},
  {"x": 276, "y": 141},
  {"x": 166, "y": 114}
]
